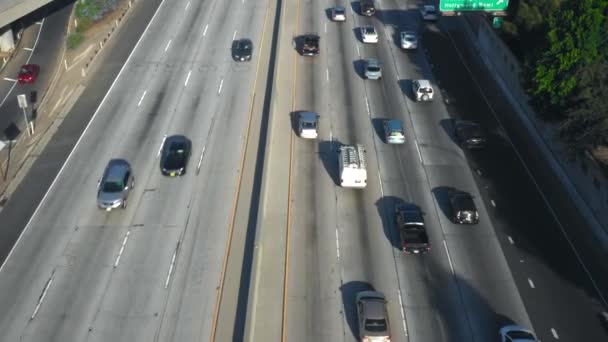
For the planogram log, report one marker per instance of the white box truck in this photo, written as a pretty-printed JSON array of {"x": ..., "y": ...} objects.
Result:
[{"x": 353, "y": 172}]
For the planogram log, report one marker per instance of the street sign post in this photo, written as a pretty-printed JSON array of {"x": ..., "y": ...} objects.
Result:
[
  {"x": 22, "y": 100},
  {"x": 473, "y": 5}
]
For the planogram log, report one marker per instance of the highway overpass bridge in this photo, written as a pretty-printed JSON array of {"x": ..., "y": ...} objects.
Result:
[{"x": 10, "y": 11}]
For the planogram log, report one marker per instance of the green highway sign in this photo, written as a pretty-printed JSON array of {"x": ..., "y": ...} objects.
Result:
[{"x": 473, "y": 5}]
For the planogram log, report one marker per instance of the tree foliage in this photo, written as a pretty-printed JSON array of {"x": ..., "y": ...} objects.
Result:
[
  {"x": 574, "y": 38},
  {"x": 563, "y": 45}
]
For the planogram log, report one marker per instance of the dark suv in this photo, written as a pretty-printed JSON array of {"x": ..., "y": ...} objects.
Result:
[
  {"x": 310, "y": 44},
  {"x": 367, "y": 7},
  {"x": 463, "y": 208}
]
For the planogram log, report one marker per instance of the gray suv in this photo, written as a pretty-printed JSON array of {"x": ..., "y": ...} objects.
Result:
[{"x": 115, "y": 185}]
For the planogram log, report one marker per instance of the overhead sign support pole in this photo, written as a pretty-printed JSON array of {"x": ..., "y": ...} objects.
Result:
[{"x": 23, "y": 105}]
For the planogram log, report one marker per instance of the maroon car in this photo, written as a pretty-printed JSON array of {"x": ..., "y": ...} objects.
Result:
[{"x": 28, "y": 73}]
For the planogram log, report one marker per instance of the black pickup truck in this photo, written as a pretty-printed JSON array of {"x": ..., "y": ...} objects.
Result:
[
  {"x": 412, "y": 232},
  {"x": 310, "y": 44}
]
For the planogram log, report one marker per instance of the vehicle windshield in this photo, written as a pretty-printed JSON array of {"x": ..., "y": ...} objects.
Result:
[
  {"x": 245, "y": 46},
  {"x": 375, "y": 325},
  {"x": 397, "y": 133},
  {"x": 410, "y": 38},
  {"x": 24, "y": 71},
  {"x": 309, "y": 125},
  {"x": 425, "y": 90},
  {"x": 373, "y": 69},
  {"x": 112, "y": 187},
  {"x": 339, "y": 10}
]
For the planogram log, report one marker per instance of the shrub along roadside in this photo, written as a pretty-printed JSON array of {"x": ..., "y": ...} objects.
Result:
[{"x": 87, "y": 13}]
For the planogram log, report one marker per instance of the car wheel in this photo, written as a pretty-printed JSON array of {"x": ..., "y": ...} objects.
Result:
[{"x": 425, "y": 97}]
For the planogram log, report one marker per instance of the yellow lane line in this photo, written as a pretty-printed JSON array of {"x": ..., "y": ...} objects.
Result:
[
  {"x": 218, "y": 300},
  {"x": 289, "y": 194}
]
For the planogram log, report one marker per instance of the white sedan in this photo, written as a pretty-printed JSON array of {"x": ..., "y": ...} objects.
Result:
[
  {"x": 338, "y": 13},
  {"x": 369, "y": 34},
  {"x": 409, "y": 40}
]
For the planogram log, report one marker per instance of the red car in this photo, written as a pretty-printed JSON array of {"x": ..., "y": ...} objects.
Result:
[{"x": 28, "y": 73}]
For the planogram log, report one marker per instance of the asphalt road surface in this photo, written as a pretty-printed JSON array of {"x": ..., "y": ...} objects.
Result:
[
  {"x": 148, "y": 272},
  {"x": 151, "y": 272},
  {"x": 342, "y": 240}
]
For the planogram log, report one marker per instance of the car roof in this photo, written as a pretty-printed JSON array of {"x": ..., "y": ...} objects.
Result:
[
  {"x": 245, "y": 41},
  {"x": 339, "y": 8},
  {"x": 462, "y": 200},
  {"x": 116, "y": 170},
  {"x": 309, "y": 116},
  {"x": 424, "y": 83},
  {"x": 394, "y": 125},
  {"x": 429, "y": 7},
  {"x": 373, "y": 62},
  {"x": 408, "y": 33},
  {"x": 469, "y": 128}
]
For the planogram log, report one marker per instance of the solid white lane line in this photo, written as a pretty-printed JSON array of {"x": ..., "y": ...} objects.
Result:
[
  {"x": 493, "y": 203},
  {"x": 160, "y": 148},
  {"x": 531, "y": 283},
  {"x": 381, "y": 186},
  {"x": 171, "y": 266},
  {"x": 221, "y": 84},
  {"x": 445, "y": 245},
  {"x": 187, "y": 78},
  {"x": 122, "y": 248},
  {"x": 205, "y": 30},
  {"x": 327, "y": 74},
  {"x": 234, "y": 35},
  {"x": 10, "y": 79},
  {"x": 367, "y": 106},
  {"x": 200, "y": 161},
  {"x": 418, "y": 149},
  {"x": 358, "y": 52},
  {"x": 28, "y": 49},
  {"x": 168, "y": 44},
  {"x": 402, "y": 312},
  {"x": 555, "y": 335},
  {"x": 511, "y": 240},
  {"x": 331, "y": 136},
  {"x": 103, "y": 100},
  {"x": 46, "y": 289},
  {"x": 337, "y": 243},
  {"x": 187, "y": 5},
  {"x": 325, "y": 27},
  {"x": 142, "y": 98}
]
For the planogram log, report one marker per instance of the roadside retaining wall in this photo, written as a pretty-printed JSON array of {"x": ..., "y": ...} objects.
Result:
[{"x": 583, "y": 176}]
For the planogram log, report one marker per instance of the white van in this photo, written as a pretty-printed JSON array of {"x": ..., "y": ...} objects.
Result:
[{"x": 353, "y": 172}]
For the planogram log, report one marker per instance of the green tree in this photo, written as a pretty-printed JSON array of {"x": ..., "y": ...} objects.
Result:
[
  {"x": 574, "y": 39},
  {"x": 586, "y": 123}
]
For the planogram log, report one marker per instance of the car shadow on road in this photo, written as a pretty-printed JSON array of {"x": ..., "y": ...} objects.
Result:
[
  {"x": 406, "y": 88},
  {"x": 356, "y": 6},
  {"x": 293, "y": 119},
  {"x": 378, "y": 125},
  {"x": 359, "y": 67},
  {"x": 328, "y": 153},
  {"x": 386, "y": 210},
  {"x": 357, "y": 35},
  {"x": 448, "y": 127},
  {"x": 349, "y": 292},
  {"x": 442, "y": 197}
]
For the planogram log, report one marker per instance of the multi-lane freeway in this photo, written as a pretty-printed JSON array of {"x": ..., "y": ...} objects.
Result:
[{"x": 257, "y": 241}]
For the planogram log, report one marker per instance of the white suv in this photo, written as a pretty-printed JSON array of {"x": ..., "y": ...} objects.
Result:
[
  {"x": 369, "y": 34},
  {"x": 422, "y": 90}
]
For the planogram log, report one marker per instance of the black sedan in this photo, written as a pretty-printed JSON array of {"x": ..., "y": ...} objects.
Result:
[
  {"x": 175, "y": 155},
  {"x": 242, "y": 50},
  {"x": 469, "y": 134}
]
